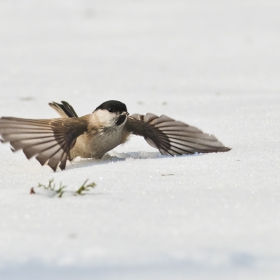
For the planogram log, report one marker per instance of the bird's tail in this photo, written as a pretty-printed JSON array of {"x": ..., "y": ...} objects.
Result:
[{"x": 65, "y": 110}]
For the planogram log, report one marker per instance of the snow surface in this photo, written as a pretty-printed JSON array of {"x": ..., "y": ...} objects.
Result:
[{"x": 213, "y": 64}]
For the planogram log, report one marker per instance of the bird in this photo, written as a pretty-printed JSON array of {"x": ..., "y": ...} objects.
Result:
[{"x": 55, "y": 141}]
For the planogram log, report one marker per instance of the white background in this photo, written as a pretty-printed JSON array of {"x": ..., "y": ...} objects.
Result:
[{"x": 212, "y": 64}]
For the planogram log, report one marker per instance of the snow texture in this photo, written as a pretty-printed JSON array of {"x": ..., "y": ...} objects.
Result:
[{"x": 213, "y": 64}]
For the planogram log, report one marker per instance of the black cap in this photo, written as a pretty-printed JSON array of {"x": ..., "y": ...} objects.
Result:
[{"x": 112, "y": 106}]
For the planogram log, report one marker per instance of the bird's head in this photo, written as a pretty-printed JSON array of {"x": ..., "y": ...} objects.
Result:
[{"x": 112, "y": 113}]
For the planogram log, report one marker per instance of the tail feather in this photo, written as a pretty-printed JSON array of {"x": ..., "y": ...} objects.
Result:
[{"x": 65, "y": 110}]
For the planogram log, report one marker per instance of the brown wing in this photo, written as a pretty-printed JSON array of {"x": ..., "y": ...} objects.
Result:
[
  {"x": 172, "y": 137},
  {"x": 49, "y": 140}
]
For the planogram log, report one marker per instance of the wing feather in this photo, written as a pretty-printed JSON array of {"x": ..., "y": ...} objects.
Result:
[
  {"x": 50, "y": 141},
  {"x": 172, "y": 137}
]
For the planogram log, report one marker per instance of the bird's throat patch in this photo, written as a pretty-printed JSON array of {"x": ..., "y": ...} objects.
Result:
[{"x": 121, "y": 119}]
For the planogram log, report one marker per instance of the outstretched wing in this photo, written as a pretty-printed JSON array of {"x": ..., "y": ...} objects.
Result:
[
  {"x": 172, "y": 137},
  {"x": 65, "y": 110},
  {"x": 49, "y": 140}
]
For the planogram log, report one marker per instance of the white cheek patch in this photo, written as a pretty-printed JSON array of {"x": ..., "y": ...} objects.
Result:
[{"x": 105, "y": 118}]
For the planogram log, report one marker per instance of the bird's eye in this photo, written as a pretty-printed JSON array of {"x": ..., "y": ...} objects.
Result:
[{"x": 110, "y": 110}]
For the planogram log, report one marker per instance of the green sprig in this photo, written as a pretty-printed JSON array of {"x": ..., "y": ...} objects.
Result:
[{"x": 61, "y": 189}]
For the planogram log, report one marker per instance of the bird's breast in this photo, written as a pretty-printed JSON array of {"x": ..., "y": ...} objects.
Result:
[{"x": 95, "y": 143}]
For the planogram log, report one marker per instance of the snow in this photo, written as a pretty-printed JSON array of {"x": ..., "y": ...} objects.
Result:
[{"x": 211, "y": 64}]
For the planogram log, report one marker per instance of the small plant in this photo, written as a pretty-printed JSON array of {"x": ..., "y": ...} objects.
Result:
[
  {"x": 85, "y": 188},
  {"x": 61, "y": 189},
  {"x": 51, "y": 187}
]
